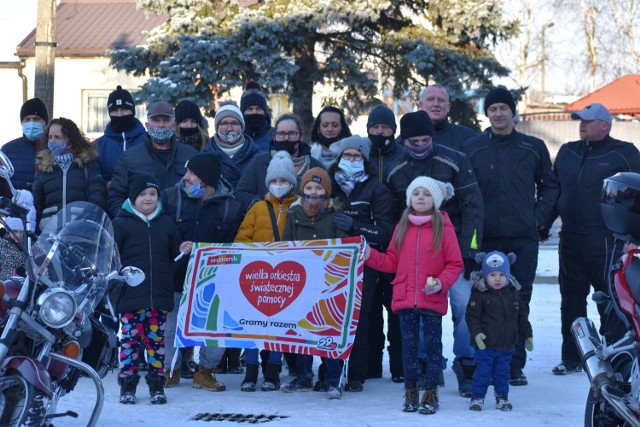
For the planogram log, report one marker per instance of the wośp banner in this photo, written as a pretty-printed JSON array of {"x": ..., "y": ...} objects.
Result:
[{"x": 299, "y": 297}]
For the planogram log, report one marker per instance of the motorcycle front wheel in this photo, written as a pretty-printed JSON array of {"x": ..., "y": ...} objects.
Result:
[{"x": 20, "y": 403}]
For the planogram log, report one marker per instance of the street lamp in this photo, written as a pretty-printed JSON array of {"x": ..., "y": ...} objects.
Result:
[{"x": 543, "y": 58}]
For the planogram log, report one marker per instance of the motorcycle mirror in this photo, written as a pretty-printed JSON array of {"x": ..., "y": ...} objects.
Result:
[
  {"x": 132, "y": 276},
  {"x": 6, "y": 168},
  {"x": 600, "y": 297}
]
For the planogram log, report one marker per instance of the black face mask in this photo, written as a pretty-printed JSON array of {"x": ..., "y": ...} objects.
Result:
[
  {"x": 255, "y": 121},
  {"x": 327, "y": 141},
  {"x": 380, "y": 141},
  {"x": 288, "y": 146},
  {"x": 189, "y": 131},
  {"x": 123, "y": 123}
]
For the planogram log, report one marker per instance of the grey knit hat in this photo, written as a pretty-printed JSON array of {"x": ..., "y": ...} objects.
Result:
[
  {"x": 228, "y": 110},
  {"x": 359, "y": 143},
  {"x": 281, "y": 166}
]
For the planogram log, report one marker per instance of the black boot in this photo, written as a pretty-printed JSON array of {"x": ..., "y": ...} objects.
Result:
[
  {"x": 128, "y": 387},
  {"x": 234, "y": 363},
  {"x": 156, "y": 389},
  {"x": 271, "y": 378},
  {"x": 464, "y": 368},
  {"x": 250, "y": 378}
]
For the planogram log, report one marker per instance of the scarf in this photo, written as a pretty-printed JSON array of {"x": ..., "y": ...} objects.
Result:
[{"x": 348, "y": 182}]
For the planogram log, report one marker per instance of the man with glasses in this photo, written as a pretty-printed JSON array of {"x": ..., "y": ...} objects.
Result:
[
  {"x": 160, "y": 156},
  {"x": 235, "y": 147},
  {"x": 287, "y": 136}
]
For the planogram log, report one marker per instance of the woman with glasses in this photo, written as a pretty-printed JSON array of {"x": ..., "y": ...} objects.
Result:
[
  {"x": 229, "y": 140},
  {"x": 286, "y": 136},
  {"x": 330, "y": 126}
]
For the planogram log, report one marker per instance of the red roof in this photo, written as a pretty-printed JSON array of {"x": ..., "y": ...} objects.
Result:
[
  {"x": 621, "y": 96},
  {"x": 93, "y": 27}
]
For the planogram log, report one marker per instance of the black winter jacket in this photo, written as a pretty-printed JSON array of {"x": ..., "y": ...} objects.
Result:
[
  {"x": 465, "y": 208},
  {"x": 581, "y": 167},
  {"x": 150, "y": 246},
  {"x": 517, "y": 183},
  {"x": 499, "y": 314},
  {"x": 451, "y": 135},
  {"x": 22, "y": 153},
  {"x": 384, "y": 159},
  {"x": 233, "y": 168},
  {"x": 144, "y": 159}
]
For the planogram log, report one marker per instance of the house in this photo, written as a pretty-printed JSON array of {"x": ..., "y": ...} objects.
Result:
[
  {"x": 86, "y": 31},
  {"x": 621, "y": 97}
]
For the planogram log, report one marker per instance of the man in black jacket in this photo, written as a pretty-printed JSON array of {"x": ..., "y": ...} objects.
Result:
[
  {"x": 519, "y": 190},
  {"x": 586, "y": 244},
  {"x": 161, "y": 156}
]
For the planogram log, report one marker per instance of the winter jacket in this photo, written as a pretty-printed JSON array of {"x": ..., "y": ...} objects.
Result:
[
  {"x": 300, "y": 227},
  {"x": 257, "y": 225},
  {"x": 251, "y": 186},
  {"x": 12, "y": 260},
  {"x": 385, "y": 159},
  {"x": 151, "y": 245},
  {"x": 233, "y": 168},
  {"x": 370, "y": 206},
  {"x": 22, "y": 154},
  {"x": 214, "y": 220},
  {"x": 262, "y": 141},
  {"x": 517, "y": 183},
  {"x": 415, "y": 262},
  {"x": 112, "y": 144},
  {"x": 451, "y": 135},
  {"x": 497, "y": 313},
  {"x": 465, "y": 208},
  {"x": 54, "y": 188},
  {"x": 581, "y": 167},
  {"x": 144, "y": 159}
]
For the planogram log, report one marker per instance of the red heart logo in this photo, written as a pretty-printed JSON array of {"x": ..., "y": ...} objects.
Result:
[{"x": 272, "y": 289}]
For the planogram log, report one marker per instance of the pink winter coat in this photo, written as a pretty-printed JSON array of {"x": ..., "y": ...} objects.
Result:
[{"x": 417, "y": 261}]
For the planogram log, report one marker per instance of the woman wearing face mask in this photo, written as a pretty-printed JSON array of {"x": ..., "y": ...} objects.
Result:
[
  {"x": 235, "y": 148},
  {"x": 330, "y": 126},
  {"x": 287, "y": 136},
  {"x": 191, "y": 127},
  {"x": 67, "y": 170}
]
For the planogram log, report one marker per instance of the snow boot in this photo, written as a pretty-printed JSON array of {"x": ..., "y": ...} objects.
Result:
[
  {"x": 476, "y": 404},
  {"x": 156, "y": 389},
  {"x": 410, "y": 399},
  {"x": 503, "y": 404},
  {"x": 234, "y": 364},
  {"x": 430, "y": 402},
  {"x": 271, "y": 378},
  {"x": 464, "y": 368},
  {"x": 205, "y": 379},
  {"x": 128, "y": 387},
  {"x": 250, "y": 378}
]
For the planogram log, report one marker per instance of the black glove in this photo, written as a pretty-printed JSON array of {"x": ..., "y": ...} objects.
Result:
[
  {"x": 470, "y": 265},
  {"x": 543, "y": 233},
  {"x": 343, "y": 221}
]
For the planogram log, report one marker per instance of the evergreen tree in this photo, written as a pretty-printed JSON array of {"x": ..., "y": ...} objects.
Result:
[{"x": 357, "y": 48}]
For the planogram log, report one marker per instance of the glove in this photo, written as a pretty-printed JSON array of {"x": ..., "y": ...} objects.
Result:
[
  {"x": 528, "y": 344},
  {"x": 470, "y": 265},
  {"x": 480, "y": 341},
  {"x": 343, "y": 221},
  {"x": 543, "y": 233},
  {"x": 430, "y": 289}
]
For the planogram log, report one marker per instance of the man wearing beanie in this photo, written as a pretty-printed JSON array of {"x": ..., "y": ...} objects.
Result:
[
  {"x": 204, "y": 209},
  {"x": 234, "y": 147},
  {"x": 160, "y": 154},
  {"x": 34, "y": 117},
  {"x": 519, "y": 190},
  {"x": 435, "y": 102},
  {"x": 385, "y": 153},
  {"x": 124, "y": 131},
  {"x": 191, "y": 126},
  {"x": 257, "y": 119}
]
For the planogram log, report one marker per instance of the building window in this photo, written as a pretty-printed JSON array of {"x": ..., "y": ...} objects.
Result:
[{"x": 95, "y": 115}]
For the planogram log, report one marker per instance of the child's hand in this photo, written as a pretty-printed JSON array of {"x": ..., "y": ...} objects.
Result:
[
  {"x": 432, "y": 286},
  {"x": 528, "y": 344},
  {"x": 480, "y": 341},
  {"x": 367, "y": 251},
  {"x": 185, "y": 247}
]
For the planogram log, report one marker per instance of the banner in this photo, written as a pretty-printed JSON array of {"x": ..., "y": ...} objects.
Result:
[{"x": 298, "y": 297}]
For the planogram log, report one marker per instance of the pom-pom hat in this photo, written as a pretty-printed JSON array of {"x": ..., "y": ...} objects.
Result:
[
  {"x": 281, "y": 166},
  {"x": 440, "y": 191}
]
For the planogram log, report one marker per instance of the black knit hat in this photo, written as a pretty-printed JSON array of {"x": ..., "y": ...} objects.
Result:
[
  {"x": 188, "y": 110},
  {"x": 120, "y": 98},
  {"x": 415, "y": 124},
  {"x": 138, "y": 182},
  {"x": 382, "y": 115},
  {"x": 207, "y": 167},
  {"x": 253, "y": 95},
  {"x": 35, "y": 107},
  {"x": 502, "y": 95}
]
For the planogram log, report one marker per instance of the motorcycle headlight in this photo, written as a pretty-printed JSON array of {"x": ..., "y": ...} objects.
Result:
[{"x": 57, "y": 307}]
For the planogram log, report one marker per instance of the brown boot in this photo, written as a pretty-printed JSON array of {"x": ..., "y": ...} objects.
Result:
[
  {"x": 172, "y": 380},
  {"x": 430, "y": 402},
  {"x": 205, "y": 379}
]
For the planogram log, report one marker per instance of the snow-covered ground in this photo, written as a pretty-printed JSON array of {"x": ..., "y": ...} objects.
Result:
[{"x": 548, "y": 400}]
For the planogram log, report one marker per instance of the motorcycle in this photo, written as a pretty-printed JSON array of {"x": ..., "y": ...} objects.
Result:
[
  {"x": 612, "y": 362},
  {"x": 50, "y": 319}
]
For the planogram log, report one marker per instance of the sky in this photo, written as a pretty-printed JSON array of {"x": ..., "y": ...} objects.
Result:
[{"x": 17, "y": 19}]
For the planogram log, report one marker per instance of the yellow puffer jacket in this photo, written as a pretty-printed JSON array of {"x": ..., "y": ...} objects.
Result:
[{"x": 257, "y": 227}]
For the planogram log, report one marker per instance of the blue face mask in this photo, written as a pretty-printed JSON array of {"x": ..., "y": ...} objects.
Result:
[
  {"x": 57, "y": 148},
  {"x": 351, "y": 168},
  {"x": 33, "y": 130},
  {"x": 195, "y": 191}
]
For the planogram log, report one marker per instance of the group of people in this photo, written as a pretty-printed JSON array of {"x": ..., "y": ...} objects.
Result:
[{"x": 449, "y": 215}]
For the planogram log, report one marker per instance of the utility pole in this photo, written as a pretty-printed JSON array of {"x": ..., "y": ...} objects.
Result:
[
  {"x": 45, "y": 52},
  {"x": 543, "y": 58}
]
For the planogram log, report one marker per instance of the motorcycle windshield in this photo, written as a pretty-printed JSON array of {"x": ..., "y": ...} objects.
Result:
[{"x": 77, "y": 251}]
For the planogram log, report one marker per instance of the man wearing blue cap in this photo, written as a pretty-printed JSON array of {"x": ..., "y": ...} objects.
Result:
[{"x": 586, "y": 245}]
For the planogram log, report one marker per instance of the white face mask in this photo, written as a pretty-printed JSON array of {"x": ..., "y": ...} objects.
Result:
[{"x": 279, "y": 191}]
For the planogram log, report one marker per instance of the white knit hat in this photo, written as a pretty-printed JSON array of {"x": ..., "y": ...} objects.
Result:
[
  {"x": 440, "y": 191},
  {"x": 281, "y": 166},
  {"x": 14, "y": 224}
]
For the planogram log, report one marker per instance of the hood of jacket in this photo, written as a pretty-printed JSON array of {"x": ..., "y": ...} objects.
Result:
[{"x": 46, "y": 162}]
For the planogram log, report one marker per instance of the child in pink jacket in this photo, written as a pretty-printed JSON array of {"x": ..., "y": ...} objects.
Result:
[{"x": 425, "y": 256}]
